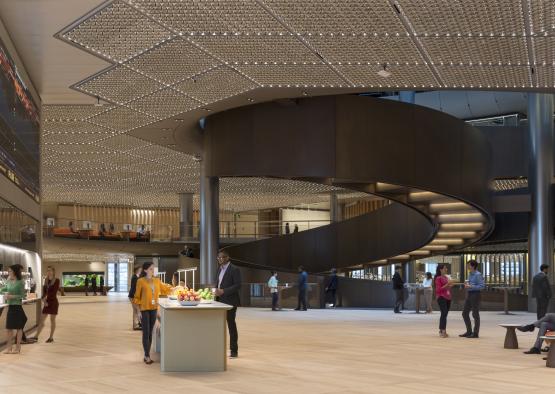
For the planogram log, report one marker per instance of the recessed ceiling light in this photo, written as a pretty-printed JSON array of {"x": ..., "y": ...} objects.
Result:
[{"x": 384, "y": 73}]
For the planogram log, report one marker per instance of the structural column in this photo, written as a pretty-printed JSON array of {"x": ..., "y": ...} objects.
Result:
[
  {"x": 335, "y": 208},
  {"x": 540, "y": 121},
  {"x": 408, "y": 96},
  {"x": 186, "y": 216},
  {"x": 209, "y": 226}
]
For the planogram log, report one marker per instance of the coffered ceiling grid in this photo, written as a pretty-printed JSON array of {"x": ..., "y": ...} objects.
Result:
[{"x": 174, "y": 56}]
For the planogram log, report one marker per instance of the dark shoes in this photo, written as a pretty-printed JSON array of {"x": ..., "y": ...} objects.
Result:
[
  {"x": 526, "y": 328},
  {"x": 148, "y": 362},
  {"x": 533, "y": 350},
  {"x": 545, "y": 349},
  {"x": 473, "y": 335},
  {"x": 233, "y": 355},
  {"x": 50, "y": 340},
  {"x": 465, "y": 335}
]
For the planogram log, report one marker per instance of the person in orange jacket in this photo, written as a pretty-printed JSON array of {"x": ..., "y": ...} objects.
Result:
[{"x": 148, "y": 290}]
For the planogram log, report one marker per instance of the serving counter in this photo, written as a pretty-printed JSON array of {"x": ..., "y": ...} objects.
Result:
[
  {"x": 193, "y": 338},
  {"x": 32, "y": 309}
]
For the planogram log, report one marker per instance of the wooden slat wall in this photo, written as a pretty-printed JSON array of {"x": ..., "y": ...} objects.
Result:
[
  {"x": 363, "y": 206},
  {"x": 12, "y": 222}
]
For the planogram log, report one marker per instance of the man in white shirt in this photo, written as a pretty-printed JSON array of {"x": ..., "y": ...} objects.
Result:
[{"x": 273, "y": 285}]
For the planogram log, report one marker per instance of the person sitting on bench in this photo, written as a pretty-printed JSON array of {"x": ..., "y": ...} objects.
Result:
[{"x": 546, "y": 323}]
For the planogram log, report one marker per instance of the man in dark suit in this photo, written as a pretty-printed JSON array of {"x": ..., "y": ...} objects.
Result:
[
  {"x": 398, "y": 285},
  {"x": 541, "y": 291},
  {"x": 331, "y": 289},
  {"x": 229, "y": 284}
]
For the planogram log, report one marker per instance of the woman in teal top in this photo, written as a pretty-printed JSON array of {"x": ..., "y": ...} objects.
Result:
[{"x": 14, "y": 293}]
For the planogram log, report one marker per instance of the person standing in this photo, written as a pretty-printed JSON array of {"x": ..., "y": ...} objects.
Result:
[
  {"x": 93, "y": 283},
  {"x": 131, "y": 295},
  {"x": 296, "y": 229},
  {"x": 428, "y": 291},
  {"x": 14, "y": 293},
  {"x": 50, "y": 301},
  {"x": 473, "y": 286},
  {"x": 331, "y": 289},
  {"x": 102, "y": 290},
  {"x": 229, "y": 285},
  {"x": 443, "y": 295},
  {"x": 273, "y": 285},
  {"x": 398, "y": 286},
  {"x": 86, "y": 285},
  {"x": 541, "y": 291},
  {"x": 147, "y": 293},
  {"x": 302, "y": 284},
  {"x": 287, "y": 229}
]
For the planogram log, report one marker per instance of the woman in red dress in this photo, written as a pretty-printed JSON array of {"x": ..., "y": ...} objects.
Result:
[{"x": 49, "y": 292}]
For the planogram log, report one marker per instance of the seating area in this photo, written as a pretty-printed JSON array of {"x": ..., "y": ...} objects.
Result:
[{"x": 132, "y": 236}]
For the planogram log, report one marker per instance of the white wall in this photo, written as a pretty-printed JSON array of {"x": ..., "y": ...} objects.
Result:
[{"x": 301, "y": 218}]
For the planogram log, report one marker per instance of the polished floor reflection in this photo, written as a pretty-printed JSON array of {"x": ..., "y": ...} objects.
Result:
[{"x": 319, "y": 351}]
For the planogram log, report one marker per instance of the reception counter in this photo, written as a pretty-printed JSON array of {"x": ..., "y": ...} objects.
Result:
[
  {"x": 32, "y": 310},
  {"x": 193, "y": 338}
]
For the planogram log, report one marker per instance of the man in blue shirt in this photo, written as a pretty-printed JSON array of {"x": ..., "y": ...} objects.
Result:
[
  {"x": 474, "y": 285},
  {"x": 303, "y": 285}
]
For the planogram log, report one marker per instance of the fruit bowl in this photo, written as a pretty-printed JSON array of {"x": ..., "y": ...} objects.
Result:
[{"x": 189, "y": 303}]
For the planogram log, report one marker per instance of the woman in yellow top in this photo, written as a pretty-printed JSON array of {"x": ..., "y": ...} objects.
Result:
[{"x": 147, "y": 292}]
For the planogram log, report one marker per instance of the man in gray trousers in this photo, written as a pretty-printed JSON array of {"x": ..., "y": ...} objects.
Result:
[{"x": 546, "y": 323}]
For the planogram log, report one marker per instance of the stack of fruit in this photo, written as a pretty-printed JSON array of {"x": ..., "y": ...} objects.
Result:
[
  {"x": 188, "y": 297},
  {"x": 206, "y": 296}
]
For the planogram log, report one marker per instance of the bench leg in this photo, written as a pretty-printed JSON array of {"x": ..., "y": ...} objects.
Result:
[
  {"x": 550, "y": 356},
  {"x": 511, "y": 341}
]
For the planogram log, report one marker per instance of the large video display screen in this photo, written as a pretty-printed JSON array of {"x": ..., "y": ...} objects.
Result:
[{"x": 19, "y": 128}]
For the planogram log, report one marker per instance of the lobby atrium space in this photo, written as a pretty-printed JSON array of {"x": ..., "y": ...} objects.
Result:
[{"x": 267, "y": 196}]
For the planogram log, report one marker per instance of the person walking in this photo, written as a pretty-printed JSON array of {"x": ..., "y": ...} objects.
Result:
[
  {"x": 541, "y": 291},
  {"x": 331, "y": 289},
  {"x": 229, "y": 285},
  {"x": 443, "y": 295},
  {"x": 50, "y": 301},
  {"x": 273, "y": 285},
  {"x": 398, "y": 285},
  {"x": 546, "y": 323},
  {"x": 14, "y": 293},
  {"x": 303, "y": 286},
  {"x": 474, "y": 287},
  {"x": 131, "y": 295},
  {"x": 86, "y": 285},
  {"x": 147, "y": 293},
  {"x": 93, "y": 283},
  {"x": 427, "y": 284}
]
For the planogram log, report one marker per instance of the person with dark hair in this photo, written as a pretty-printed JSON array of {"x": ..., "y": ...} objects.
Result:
[
  {"x": 303, "y": 286},
  {"x": 86, "y": 285},
  {"x": 147, "y": 292},
  {"x": 443, "y": 295},
  {"x": 229, "y": 285},
  {"x": 287, "y": 230},
  {"x": 541, "y": 291},
  {"x": 50, "y": 300},
  {"x": 398, "y": 286},
  {"x": 101, "y": 283},
  {"x": 14, "y": 293},
  {"x": 102, "y": 230},
  {"x": 546, "y": 323},
  {"x": 296, "y": 229},
  {"x": 93, "y": 283},
  {"x": 427, "y": 284},
  {"x": 331, "y": 288},
  {"x": 474, "y": 285},
  {"x": 273, "y": 285},
  {"x": 131, "y": 296}
]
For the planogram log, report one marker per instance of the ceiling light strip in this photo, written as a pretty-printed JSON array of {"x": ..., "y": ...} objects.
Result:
[{"x": 527, "y": 10}]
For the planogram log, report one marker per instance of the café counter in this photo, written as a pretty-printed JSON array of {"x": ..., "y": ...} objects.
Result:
[{"x": 32, "y": 309}]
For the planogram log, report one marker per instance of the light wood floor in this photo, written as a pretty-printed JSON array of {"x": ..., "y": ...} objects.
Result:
[{"x": 319, "y": 351}]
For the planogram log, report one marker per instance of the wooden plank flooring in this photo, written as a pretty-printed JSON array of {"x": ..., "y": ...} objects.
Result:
[{"x": 319, "y": 351}]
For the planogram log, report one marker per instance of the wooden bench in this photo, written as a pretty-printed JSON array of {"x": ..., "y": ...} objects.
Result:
[{"x": 511, "y": 341}]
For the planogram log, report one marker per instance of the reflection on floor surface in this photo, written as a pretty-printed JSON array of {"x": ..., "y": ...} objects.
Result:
[{"x": 319, "y": 351}]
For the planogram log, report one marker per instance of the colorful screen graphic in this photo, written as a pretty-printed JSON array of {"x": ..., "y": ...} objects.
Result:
[{"x": 19, "y": 129}]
